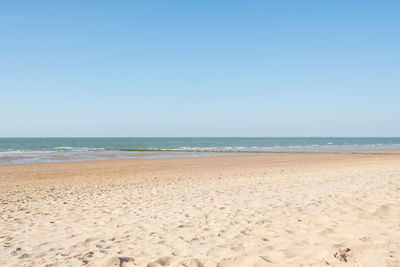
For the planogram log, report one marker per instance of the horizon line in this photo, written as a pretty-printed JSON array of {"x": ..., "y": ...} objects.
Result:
[{"x": 311, "y": 136}]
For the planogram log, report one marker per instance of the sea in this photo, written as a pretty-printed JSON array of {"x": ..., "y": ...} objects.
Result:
[{"x": 38, "y": 150}]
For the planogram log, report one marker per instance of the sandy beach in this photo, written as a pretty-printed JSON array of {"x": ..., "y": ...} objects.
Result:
[{"x": 260, "y": 210}]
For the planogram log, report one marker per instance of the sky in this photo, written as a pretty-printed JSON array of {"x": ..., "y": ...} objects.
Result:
[{"x": 199, "y": 68}]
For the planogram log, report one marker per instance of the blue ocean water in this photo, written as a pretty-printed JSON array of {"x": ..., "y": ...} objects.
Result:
[{"x": 32, "y": 150}]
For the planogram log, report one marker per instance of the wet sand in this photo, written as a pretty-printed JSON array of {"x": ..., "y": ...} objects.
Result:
[{"x": 245, "y": 210}]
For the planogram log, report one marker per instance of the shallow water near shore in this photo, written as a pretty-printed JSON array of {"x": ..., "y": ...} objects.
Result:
[{"x": 36, "y": 150}]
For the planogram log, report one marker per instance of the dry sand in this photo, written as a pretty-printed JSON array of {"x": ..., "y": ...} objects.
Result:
[{"x": 262, "y": 210}]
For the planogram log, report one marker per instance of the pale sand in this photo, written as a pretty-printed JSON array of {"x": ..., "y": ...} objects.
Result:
[{"x": 262, "y": 210}]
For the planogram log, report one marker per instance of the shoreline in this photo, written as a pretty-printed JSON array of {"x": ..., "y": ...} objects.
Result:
[{"x": 157, "y": 154}]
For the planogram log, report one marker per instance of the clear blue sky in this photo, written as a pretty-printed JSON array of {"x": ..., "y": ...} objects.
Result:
[{"x": 200, "y": 68}]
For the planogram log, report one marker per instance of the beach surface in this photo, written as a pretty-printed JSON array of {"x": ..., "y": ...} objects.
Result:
[{"x": 239, "y": 210}]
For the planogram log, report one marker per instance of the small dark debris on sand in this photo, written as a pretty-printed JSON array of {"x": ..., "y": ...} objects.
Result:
[{"x": 343, "y": 254}]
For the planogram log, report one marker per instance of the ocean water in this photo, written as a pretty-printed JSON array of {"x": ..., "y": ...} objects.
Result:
[{"x": 35, "y": 150}]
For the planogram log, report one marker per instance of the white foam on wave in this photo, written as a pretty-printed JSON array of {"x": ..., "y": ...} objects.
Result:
[
  {"x": 77, "y": 149},
  {"x": 11, "y": 152},
  {"x": 195, "y": 148}
]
